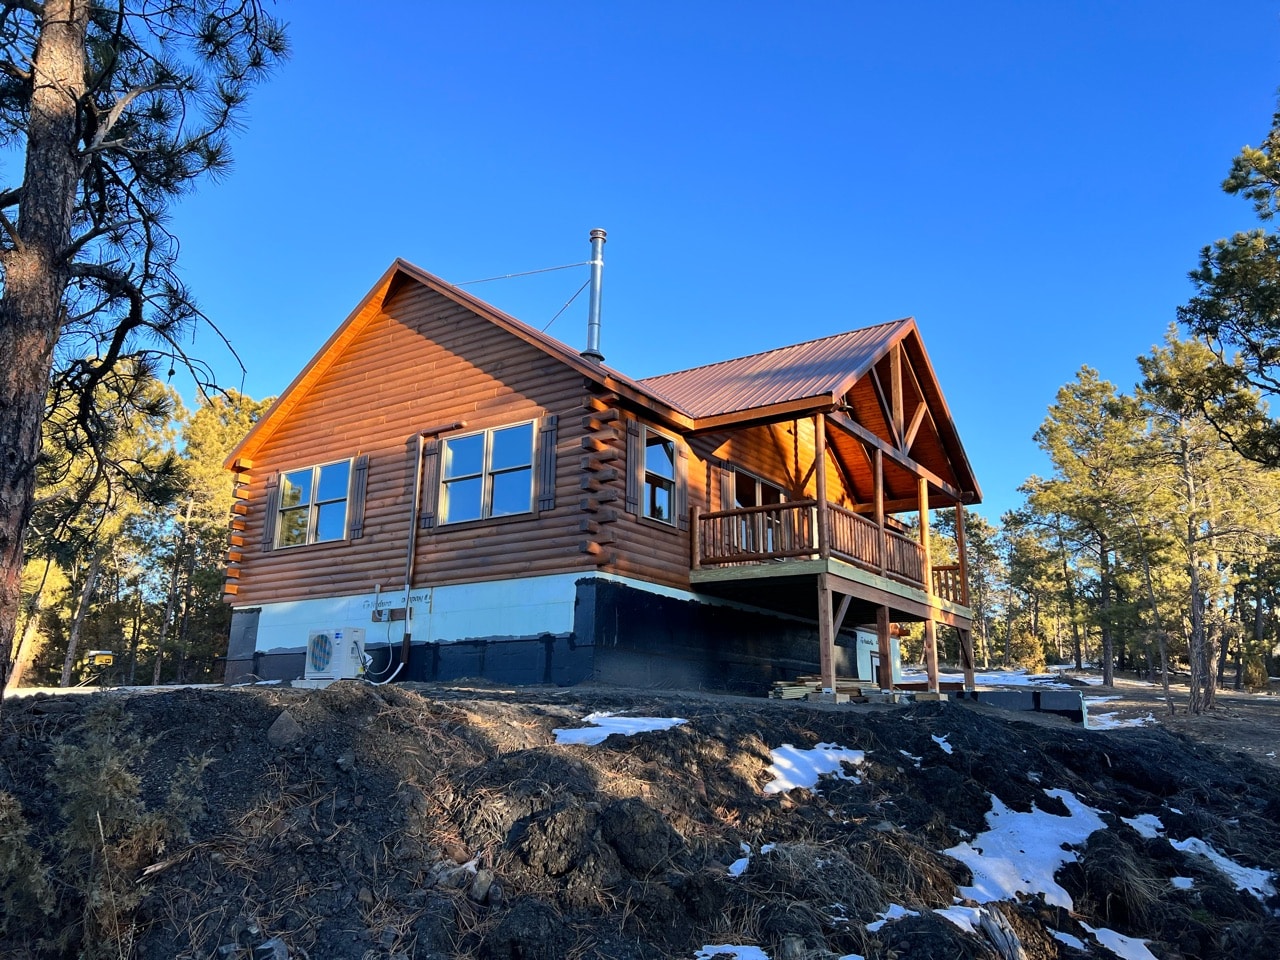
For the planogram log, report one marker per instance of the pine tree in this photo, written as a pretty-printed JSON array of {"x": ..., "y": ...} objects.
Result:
[
  {"x": 1094, "y": 437},
  {"x": 117, "y": 110}
]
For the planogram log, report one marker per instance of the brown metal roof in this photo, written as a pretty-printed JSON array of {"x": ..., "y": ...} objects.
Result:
[{"x": 822, "y": 367}]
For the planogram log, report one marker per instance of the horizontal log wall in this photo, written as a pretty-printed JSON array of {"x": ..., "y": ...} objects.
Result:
[{"x": 422, "y": 361}]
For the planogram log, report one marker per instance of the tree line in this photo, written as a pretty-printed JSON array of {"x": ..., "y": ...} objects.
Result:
[
  {"x": 1153, "y": 545},
  {"x": 133, "y": 566}
]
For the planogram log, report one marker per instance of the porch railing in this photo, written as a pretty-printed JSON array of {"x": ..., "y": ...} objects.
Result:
[
  {"x": 904, "y": 558},
  {"x": 949, "y": 584},
  {"x": 775, "y": 531},
  {"x": 783, "y": 531},
  {"x": 854, "y": 538}
]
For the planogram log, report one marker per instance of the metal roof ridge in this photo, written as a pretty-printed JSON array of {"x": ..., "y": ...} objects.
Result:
[{"x": 764, "y": 353}]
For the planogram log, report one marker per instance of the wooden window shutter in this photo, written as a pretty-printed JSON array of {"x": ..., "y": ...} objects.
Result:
[
  {"x": 547, "y": 463},
  {"x": 430, "y": 484},
  {"x": 355, "y": 506},
  {"x": 271, "y": 512},
  {"x": 635, "y": 466},
  {"x": 682, "y": 485},
  {"x": 727, "y": 480}
]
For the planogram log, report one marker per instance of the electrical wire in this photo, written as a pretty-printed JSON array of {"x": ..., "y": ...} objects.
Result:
[
  {"x": 527, "y": 273},
  {"x": 566, "y": 304}
]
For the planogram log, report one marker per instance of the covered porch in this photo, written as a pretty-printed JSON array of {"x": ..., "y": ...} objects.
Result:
[{"x": 860, "y": 565}]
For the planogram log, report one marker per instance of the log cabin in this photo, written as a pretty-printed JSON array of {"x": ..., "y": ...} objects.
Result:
[{"x": 474, "y": 498}]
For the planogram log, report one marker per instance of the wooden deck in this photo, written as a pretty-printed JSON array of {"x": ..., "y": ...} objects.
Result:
[{"x": 729, "y": 540}]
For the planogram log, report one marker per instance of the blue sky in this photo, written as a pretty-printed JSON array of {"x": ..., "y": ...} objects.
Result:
[{"x": 1031, "y": 181}]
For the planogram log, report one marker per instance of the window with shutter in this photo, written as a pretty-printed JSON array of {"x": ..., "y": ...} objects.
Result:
[{"x": 310, "y": 505}]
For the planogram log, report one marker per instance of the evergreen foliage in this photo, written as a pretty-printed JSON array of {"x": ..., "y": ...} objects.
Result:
[{"x": 117, "y": 111}]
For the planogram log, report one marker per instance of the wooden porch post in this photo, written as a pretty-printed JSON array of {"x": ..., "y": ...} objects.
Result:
[
  {"x": 966, "y": 654},
  {"x": 882, "y": 545},
  {"x": 931, "y": 654},
  {"x": 962, "y": 553},
  {"x": 695, "y": 543},
  {"x": 826, "y": 636},
  {"x": 930, "y": 629},
  {"x": 820, "y": 475},
  {"x": 886, "y": 649}
]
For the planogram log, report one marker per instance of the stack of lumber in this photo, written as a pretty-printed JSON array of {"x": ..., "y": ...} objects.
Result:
[{"x": 802, "y": 686}]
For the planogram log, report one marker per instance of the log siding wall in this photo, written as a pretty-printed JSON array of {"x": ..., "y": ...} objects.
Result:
[{"x": 423, "y": 361}]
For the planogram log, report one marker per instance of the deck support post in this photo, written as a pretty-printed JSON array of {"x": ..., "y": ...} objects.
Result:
[
  {"x": 820, "y": 476},
  {"x": 930, "y": 628},
  {"x": 966, "y": 657},
  {"x": 826, "y": 636},
  {"x": 886, "y": 649},
  {"x": 931, "y": 654},
  {"x": 962, "y": 555}
]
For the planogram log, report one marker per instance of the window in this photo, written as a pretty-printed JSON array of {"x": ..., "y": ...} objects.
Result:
[
  {"x": 659, "y": 477},
  {"x": 487, "y": 474},
  {"x": 758, "y": 532},
  {"x": 313, "y": 504}
]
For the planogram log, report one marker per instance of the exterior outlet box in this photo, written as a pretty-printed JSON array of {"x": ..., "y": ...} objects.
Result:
[
  {"x": 389, "y": 615},
  {"x": 335, "y": 654}
]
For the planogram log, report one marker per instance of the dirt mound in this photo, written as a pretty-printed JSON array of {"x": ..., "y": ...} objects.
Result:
[{"x": 362, "y": 822}]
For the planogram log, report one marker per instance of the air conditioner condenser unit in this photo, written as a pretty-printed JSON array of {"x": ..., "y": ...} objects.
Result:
[{"x": 335, "y": 654}]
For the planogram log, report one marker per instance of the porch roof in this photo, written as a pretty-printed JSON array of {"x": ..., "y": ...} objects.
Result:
[{"x": 825, "y": 367}]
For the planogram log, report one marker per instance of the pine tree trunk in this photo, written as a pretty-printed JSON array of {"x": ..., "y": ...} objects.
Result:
[
  {"x": 36, "y": 274},
  {"x": 24, "y": 653},
  {"x": 136, "y": 634},
  {"x": 73, "y": 635},
  {"x": 1069, "y": 586},
  {"x": 170, "y": 605},
  {"x": 1196, "y": 642},
  {"x": 1108, "y": 647}
]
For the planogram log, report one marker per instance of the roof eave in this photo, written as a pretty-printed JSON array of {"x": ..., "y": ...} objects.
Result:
[{"x": 772, "y": 413}]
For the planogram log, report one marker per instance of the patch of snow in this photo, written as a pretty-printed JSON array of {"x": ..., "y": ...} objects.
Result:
[
  {"x": 1127, "y": 948},
  {"x": 1068, "y": 939},
  {"x": 793, "y": 767},
  {"x": 732, "y": 950},
  {"x": 912, "y": 757},
  {"x": 1256, "y": 881},
  {"x": 895, "y": 912},
  {"x": 1033, "y": 776},
  {"x": 1148, "y": 825},
  {"x": 1020, "y": 852},
  {"x": 607, "y": 724},
  {"x": 739, "y": 866},
  {"x": 1182, "y": 883},
  {"x": 1111, "y": 721},
  {"x": 942, "y": 742},
  {"x": 1175, "y": 810},
  {"x": 1272, "y": 754},
  {"x": 1007, "y": 678},
  {"x": 966, "y": 918}
]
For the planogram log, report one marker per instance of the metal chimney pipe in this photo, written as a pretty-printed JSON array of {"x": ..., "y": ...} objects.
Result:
[{"x": 593, "y": 301}]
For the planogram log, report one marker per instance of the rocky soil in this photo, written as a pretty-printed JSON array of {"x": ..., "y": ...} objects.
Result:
[{"x": 432, "y": 822}]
